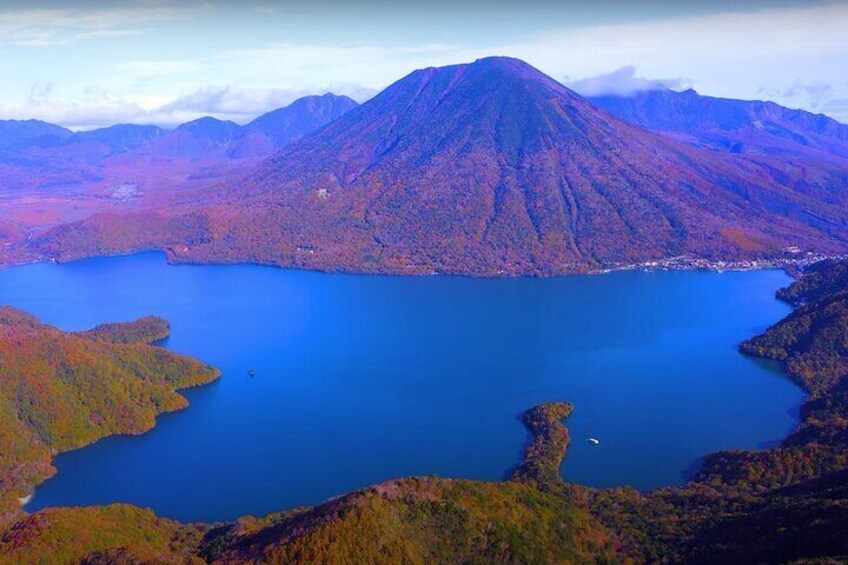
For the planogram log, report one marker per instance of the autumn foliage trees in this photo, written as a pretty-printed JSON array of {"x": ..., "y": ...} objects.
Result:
[{"x": 60, "y": 391}]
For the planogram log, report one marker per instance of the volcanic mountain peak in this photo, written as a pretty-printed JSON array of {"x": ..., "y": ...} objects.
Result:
[
  {"x": 493, "y": 166},
  {"x": 505, "y": 67},
  {"x": 491, "y": 75},
  {"x": 499, "y": 103}
]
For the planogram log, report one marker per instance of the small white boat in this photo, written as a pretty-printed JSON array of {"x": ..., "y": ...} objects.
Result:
[{"x": 593, "y": 441}]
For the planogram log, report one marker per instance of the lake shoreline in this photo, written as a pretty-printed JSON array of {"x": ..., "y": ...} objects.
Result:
[
  {"x": 122, "y": 349},
  {"x": 578, "y": 468},
  {"x": 700, "y": 503},
  {"x": 792, "y": 263}
]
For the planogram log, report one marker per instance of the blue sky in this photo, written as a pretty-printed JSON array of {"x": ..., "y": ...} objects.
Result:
[{"x": 89, "y": 63}]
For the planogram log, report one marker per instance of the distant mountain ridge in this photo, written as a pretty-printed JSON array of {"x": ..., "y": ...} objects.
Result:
[
  {"x": 204, "y": 138},
  {"x": 101, "y": 143},
  {"x": 279, "y": 128},
  {"x": 736, "y": 126},
  {"x": 30, "y": 132}
]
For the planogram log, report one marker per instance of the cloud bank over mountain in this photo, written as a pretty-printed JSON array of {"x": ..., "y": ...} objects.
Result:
[
  {"x": 622, "y": 82},
  {"x": 166, "y": 61}
]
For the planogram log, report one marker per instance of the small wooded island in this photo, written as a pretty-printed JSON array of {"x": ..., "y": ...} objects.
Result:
[{"x": 776, "y": 505}]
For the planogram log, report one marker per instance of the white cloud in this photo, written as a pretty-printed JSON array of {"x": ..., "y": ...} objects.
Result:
[
  {"x": 813, "y": 93},
  {"x": 795, "y": 56},
  {"x": 61, "y": 26},
  {"x": 836, "y": 107},
  {"x": 157, "y": 68},
  {"x": 622, "y": 82},
  {"x": 299, "y": 65},
  {"x": 736, "y": 55},
  {"x": 243, "y": 104},
  {"x": 228, "y": 102},
  {"x": 100, "y": 108}
]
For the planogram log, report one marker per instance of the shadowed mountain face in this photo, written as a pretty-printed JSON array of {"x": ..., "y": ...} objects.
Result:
[
  {"x": 493, "y": 166},
  {"x": 93, "y": 145},
  {"x": 284, "y": 126},
  {"x": 736, "y": 126},
  {"x": 121, "y": 137},
  {"x": 14, "y": 133},
  {"x": 206, "y": 137},
  {"x": 211, "y": 139}
]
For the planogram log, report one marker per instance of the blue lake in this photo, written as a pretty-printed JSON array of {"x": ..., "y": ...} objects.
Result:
[{"x": 365, "y": 378}]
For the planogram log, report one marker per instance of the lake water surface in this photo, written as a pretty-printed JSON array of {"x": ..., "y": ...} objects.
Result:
[{"x": 365, "y": 378}]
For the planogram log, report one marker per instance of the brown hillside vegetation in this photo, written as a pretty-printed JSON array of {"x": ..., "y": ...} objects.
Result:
[{"x": 61, "y": 391}]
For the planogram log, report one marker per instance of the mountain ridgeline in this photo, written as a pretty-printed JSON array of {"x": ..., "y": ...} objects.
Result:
[
  {"x": 492, "y": 168},
  {"x": 202, "y": 139},
  {"x": 279, "y": 128},
  {"x": 735, "y": 126},
  {"x": 22, "y": 133}
]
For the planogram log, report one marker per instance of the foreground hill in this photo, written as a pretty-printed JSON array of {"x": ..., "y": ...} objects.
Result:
[
  {"x": 407, "y": 521},
  {"x": 735, "y": 126},
  {"x": 493, "y": 167},
  {"x": 61, "y": 391},
  {"x": 782, "y": 505}
]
